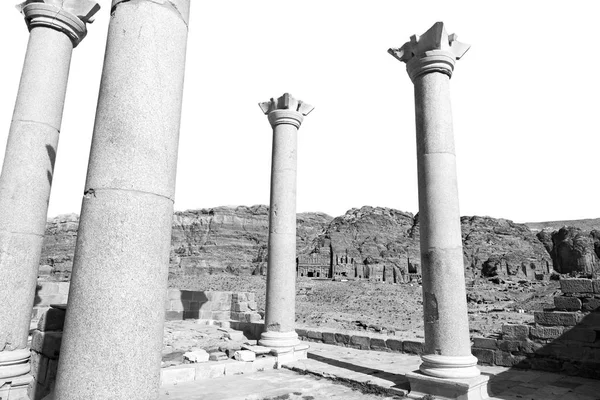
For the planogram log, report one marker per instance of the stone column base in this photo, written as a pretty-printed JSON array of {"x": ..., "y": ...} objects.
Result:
[
  {"x": 446, "y": 389},
  {"x": 279, "y": 339},
  {"x": 14, "y": 374},
  {"x": 16, "y": 388},
  {"x": 449, "y": 367}
]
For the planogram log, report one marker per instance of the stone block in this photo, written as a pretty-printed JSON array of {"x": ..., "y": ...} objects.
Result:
[
  {"x": 506, "y": 359},
  {"x": 178, "y": 374},
  {"x": 596, "y": 285},
  {"x": 545, "y": 332},
  {"x": 378, "y": 344},
  {"x": 47, "y": 288},
  {"x": 394, "y": 345},
  {"x": 360, "y": 342},
  {"x": 241, "y": 307},
  {"x": 52, "y": 320},
  {"x": 585, "y": 335},
  {"x": 212, "y": 370},
  {"x": 529, "y": 347},
  {"x": 173, "y": 315},
  {"x": 509, "y": 345},
  {"x": 199, "y": 297},
  {"x": 39, "y": 367},
  {"x": 244, "y": 355},
  {"x": 239, "y": 368},
  {"x": 329, "y": 337},
  {"x": 177, "y": 305},
  {"x": 186, "y": 295},
  {"x": 315, "y": 335},
  {"x": 46, "y": 300},
  {"x": 342, "y": 339},
  {"x": 591, "y": 305},
  {"x": 46, "y": 343},
  {"x": 576, "y": 285},
  {"x": 174, "y": 294},
  {"x": 564, "y": 303},
  {"x": 221, "y": 315},
  {"x": 485, "y": 356},
  {"x": 515, "y": 332},
  {"x": 485, "y": 343},
  {"x": 63, "y": 288},
  {"x": 252, "y": 305},
  {"x": 556, "y": 318},
  {"x": 193, "y": 305},
  {"x": 196, "y": 356},
  {"x": 413, "y": 347}
]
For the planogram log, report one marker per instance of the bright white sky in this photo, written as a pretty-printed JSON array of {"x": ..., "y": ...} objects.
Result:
[{"x": 525, "y": 104}]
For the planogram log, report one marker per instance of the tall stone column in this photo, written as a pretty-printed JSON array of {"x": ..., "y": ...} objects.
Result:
[
  {"x": 430, "y": 61},
  {"x": 113, "y": 332},
  {"x": 28, "y": 167},
  {"x": 285, "y": 115}
]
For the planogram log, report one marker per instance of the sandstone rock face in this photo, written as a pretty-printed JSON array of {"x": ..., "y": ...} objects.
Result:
[
  {"x": 573, "y": 250},
  {"x": 370, "y": 242}
]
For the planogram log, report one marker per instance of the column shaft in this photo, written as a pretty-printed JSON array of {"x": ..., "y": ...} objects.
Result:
[
  {"x": 113, "y": 331},
  {"x": 281, "y": 273},
  {"x": 445, "y": 308}
]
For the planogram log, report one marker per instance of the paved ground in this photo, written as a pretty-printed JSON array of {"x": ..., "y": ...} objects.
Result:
[{"x": 358, "y": 374}]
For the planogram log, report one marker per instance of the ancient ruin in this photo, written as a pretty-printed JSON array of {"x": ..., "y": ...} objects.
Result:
[
  {"x": 285, "y": 116},
  {"x": 26, "y": 177},
  {"x": 430, "y": 61},
  {"x": 97, "y": 326}
]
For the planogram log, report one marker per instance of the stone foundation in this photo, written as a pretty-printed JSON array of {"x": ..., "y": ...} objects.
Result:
[{"x": 565, "y": 339}]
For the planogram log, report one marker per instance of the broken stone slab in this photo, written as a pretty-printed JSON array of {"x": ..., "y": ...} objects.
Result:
[
  {"x": 258, "y": 350},
  {"x": 244, "y": 355},
  {"x": 196, "y": 356}
]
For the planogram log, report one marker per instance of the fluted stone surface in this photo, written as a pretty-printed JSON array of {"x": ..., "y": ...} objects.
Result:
[{"x": 114, "y": 325}]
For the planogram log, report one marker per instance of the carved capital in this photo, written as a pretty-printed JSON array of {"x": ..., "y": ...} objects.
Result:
[
  {"x": 433, "y": 51},
  {"x": 286, "y": 110},
  {"x": 67, "y": 16}
]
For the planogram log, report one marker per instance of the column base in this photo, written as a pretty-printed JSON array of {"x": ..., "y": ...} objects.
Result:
[
  {"x": 422, "y": 385},
  {"x": 279, "y": 339},
  {"x": 14, "y": 374},
  {"x": 449, "y": 367}
]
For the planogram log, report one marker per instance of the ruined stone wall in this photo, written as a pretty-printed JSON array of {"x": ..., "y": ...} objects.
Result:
[{"x": 565, "y": 339}]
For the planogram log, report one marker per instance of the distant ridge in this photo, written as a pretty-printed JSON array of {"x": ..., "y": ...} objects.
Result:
[{"x": 584, "y": 224}]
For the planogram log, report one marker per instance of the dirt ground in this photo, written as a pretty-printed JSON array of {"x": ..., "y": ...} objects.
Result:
[{"x": 386, "y": 308}]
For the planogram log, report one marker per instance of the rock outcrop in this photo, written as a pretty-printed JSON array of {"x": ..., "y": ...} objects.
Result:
[
  {"x": 573, "y": 250},
  {"x": 370, "y": 242}
]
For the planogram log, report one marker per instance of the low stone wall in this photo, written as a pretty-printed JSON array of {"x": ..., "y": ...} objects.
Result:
[
  {"x": 363, "y": 342},
  {"x": 180, "y": 304},
  {"x": 45, "y": 349},
  {"x": 565, "y": 339}
]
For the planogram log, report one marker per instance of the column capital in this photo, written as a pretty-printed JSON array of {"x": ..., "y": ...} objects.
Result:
[
  {"x": 433, "y": 51},
  {"x": 286, "y": 110},
  {"x": 67, "y": 16}
]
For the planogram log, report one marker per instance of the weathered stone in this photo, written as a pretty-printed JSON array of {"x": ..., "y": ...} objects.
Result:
[
  {"x": 315, "y": 335},
  {"x": 46, "y": 343},
  {"x": 506, "y": 359},
  {"x": 509, "y": 345},
  {"x": 485, "y": 343},
  {"x": 596, "y": 285},
  {"x": 217, "y": 356},
  {"x": 244, "y": 355},
  {"x": 378, "y": 344},
  {"x": 394, "y": 345},
  {"x": 360, "y": 342},
  {"x": 52, "y": 320},
  {"x": 485, "y": 356},
  {"x": 576, "y": 285},
  {"x": 546, "y": 332},
  {"x": 515, "y": 332},
  {"x": 591, "y": 305},
  {"x": 342, "y": 338},
  {"x": 412, "y": 347},
  {"x": 196, "y": 356},
  {"x": 556, "y": 318},
  {"x": 565, "y": 303},
  {"x": 329, "y": 337}
]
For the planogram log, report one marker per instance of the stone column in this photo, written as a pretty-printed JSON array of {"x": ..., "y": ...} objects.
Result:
[
  {"x": 430, "y": 61},
  {"x": 285, "y": 115},
  {"x": 28, "y": 167},
  {"x": 113, "y": 332}
]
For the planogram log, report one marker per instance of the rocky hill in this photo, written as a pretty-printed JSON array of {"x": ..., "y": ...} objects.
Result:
[{"x": 234, "y": 240}]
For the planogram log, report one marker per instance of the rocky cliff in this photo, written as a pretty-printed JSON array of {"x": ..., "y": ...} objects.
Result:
[{"x": 234, "y": 240}]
